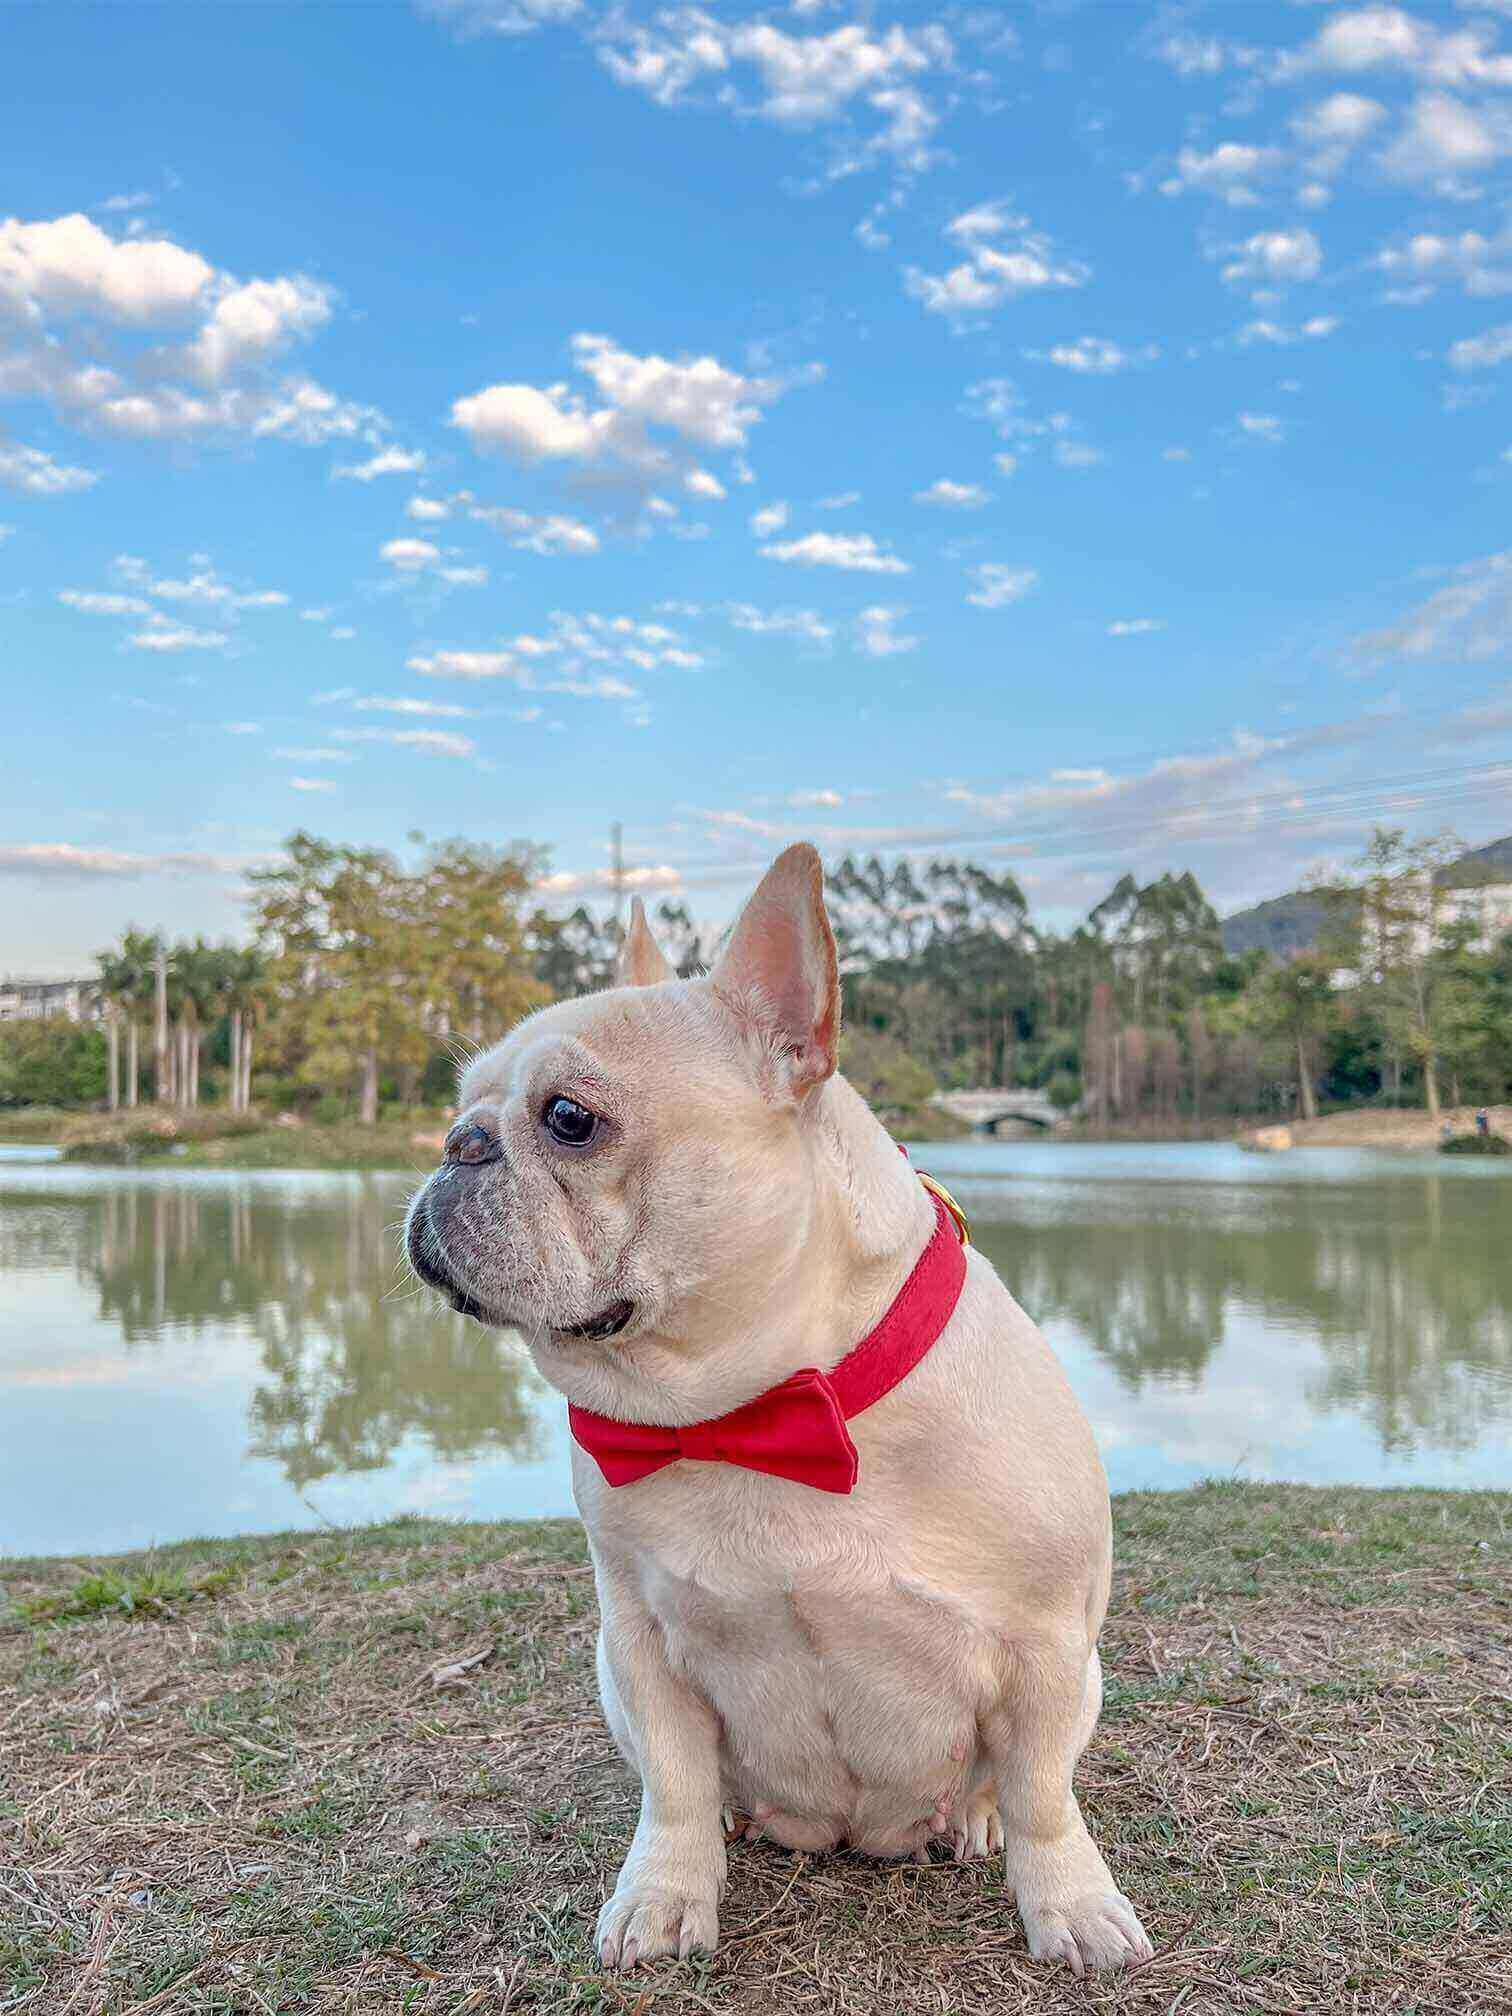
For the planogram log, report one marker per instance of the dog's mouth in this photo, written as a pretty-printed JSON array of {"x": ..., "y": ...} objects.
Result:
[{"x": 608, "y": 1323}]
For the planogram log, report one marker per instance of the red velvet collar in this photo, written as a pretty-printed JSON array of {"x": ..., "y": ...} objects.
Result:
[{"x": 797, "y": 1430}]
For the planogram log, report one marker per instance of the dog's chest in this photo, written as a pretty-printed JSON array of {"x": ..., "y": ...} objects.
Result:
[{"x": 825, "y": 1632}]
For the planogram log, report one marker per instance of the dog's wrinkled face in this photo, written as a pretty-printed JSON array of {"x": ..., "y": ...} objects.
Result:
[{"x": 626, "y": 1170}]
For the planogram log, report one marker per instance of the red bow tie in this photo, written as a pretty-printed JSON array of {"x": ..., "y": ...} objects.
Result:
[{"x": 797, "y": 1430}]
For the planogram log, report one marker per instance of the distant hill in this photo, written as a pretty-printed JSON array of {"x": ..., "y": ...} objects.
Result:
[
  {"x": 1284, "y": 925},
  {"x": 1288, "y": 924},
  {"x": 1491, "y": 863}
]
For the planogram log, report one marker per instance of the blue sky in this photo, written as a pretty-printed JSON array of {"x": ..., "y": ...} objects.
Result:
[{"x": 1072, "y": 435}]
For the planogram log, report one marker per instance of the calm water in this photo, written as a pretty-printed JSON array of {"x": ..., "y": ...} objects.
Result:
[{"x": 190, "y": 1353}]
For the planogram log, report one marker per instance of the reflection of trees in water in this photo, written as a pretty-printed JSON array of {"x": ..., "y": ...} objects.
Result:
[
  {"x": 1405, "y": 1283},
  {"x": 353, "y": 1360}
]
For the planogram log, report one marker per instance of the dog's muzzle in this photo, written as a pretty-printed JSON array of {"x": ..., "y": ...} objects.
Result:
[{"x": 427, "y": 1256}]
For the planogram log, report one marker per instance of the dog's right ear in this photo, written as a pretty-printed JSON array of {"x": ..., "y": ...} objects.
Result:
[
  {"x": 641, "y": 961},
  {"x": 779, "y": 972}
]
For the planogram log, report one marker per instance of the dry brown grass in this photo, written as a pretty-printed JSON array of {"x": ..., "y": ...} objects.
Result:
[
  {"x": 1384, "y": 1127},
  {"x": 240, "y": 1778}
]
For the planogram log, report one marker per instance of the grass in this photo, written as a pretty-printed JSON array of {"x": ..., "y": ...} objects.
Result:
[
  {"x": 229, "y": 1782},
  {"x": 208, "y": 1138}
]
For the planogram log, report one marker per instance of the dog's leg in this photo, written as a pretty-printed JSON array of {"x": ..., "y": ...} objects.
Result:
[
  {"x": 667, "y": 1896},
  {"x": 1071, "y": 1907}
]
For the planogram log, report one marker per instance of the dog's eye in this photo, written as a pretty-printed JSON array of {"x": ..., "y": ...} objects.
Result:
[{"x": 565, "y": 1121}]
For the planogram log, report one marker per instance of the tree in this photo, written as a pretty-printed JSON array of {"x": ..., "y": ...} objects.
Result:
[
  {"x": 1295, "y": 1001},
  {"x": 1402, "y": 943},
  {"x": 372, "y": 967}
]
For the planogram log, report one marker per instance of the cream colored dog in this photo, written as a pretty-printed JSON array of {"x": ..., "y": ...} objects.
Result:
[{"x": 679, "y": 1203}]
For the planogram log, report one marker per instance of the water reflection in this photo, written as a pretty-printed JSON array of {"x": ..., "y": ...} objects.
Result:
[
  {"x": 351, "y": 1359},
  {"x": 1406, "y": 1291},
  {"x": 187, "y": 1352}
]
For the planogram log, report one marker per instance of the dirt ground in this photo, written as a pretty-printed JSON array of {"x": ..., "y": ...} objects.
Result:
[{"x": 365, "y": 1771}]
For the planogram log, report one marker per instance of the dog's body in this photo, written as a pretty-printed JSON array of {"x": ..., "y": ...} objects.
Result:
[{"x": 913, "y": 1660}]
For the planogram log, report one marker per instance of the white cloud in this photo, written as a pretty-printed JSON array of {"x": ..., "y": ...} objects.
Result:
[
  {"x": 1387, "y": 38},
  {"x": 1274, "y": 258},
  {"x": 250, "y": 323},
  {"x": 769, "y": 519},
  {"x": 856, "y": 552},
  {"x": 807, "y": 624},
  {"x": 1094, "y": 356},
  {"x": 428, "y": 510},
  {"x": 841, "y": 501},
  {"x": 877, "y": 636},
  {"x": 465, "y": 665},
  {"x": 502, "y": 17},
  {"x": 374, "y": 703},
  {"x": 802, "y": 80},
  {"x": 1228, "y": 171},
  {"x": 1463, "y": 623},
  {"x": 1076, "y": 454},
  {"x": 1262, "y": 426},
  {"x": 1334, "y": 127},
  {"x": 698, "y": 400},
  {"x": 242, "y": 727},
  {"x": 1482, "y": 266},
  {"x": 310, "y": 784},
  {"x": 69, "y": 266},
  {"x": 551, "y": 534},
  {"x": 94, "y": 603},
  {"x": 425, "y": 741},
  {"x": 37, "y": 474},
  {"x": 82, "y": 301},
  {"x": 1443, "y": 141},
  {"x": 1312, "y": 330},
  {"x": 61, "y": 861},
  {"x": 410, "y": 555},
  {"x": 998, "y": 586},
  {"x": 1135, "y": 626},
  {"x": 315, "y": 755},
  {"x": 702, "y": 483},
  {"x": 162, "y": 634},
  {"x": 823, "y": 800},
  {"x": 953, "y": 496},
  {"x": 1006, "y": 258},
  {"x": 1483, "y": 352},
  {"x": 385, "y": 462}
]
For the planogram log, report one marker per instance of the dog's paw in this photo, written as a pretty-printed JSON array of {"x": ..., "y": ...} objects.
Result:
[
  {"x": 976, "y": 1827},
  {"x": 640, "y": 1923},
  {"x": 1097, "y": 1931}
]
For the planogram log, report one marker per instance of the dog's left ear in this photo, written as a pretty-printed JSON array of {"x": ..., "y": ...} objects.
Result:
[
  {"x": 779, "y": 970},
  {"x": 641, "y": 960}
]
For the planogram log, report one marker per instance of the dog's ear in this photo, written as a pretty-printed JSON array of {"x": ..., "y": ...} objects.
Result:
[
  {"x": 779, "y": 970},
  {"x": 641, "y": 961}
]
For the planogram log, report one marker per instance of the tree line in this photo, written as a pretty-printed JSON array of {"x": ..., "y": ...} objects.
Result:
[{"x": 366, "y": 979}]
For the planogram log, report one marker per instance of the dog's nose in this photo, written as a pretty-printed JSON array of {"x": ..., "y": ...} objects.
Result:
[{"x": 472, "y": 1141}]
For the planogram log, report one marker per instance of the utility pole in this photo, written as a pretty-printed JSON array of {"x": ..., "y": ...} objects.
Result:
[
  {"x": 160, "y": 1029},
  {"x": 617, "y": 876}
]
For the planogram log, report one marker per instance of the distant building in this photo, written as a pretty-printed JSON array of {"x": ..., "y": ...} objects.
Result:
[
  {"x": 42, "y": 1000},
  {"x": 1487, "y": 906}
]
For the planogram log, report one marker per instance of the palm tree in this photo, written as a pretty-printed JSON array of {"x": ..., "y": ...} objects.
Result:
[
  {"x": 126, "y": 981},
  {"x": 243, "y": 981}
]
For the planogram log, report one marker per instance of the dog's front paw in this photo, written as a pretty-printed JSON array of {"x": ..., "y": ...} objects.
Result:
[
  {"x": 1098, "y": 1931},
  {"x": 641, "y": 1922}
]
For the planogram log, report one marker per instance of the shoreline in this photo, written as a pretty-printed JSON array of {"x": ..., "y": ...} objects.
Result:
[
  {"x": 366, "y": 1768},
  {"x": 206, "y": 1140}
]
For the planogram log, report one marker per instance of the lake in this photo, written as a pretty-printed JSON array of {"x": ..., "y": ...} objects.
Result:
[{"x": 206, "y": 1352}]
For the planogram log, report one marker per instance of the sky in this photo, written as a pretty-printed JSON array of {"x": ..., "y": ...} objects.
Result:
[{"x": 1072, "y": 436}]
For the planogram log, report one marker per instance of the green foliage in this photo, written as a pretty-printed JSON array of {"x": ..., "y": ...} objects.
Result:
[
  {"x": 52, "y": 1063},
  {"x": 891, "y": 1081},
  {"x": 1476, "y": 1144}
]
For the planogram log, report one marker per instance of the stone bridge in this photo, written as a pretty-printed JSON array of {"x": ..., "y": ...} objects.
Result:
[{"x": 987, "y": 1110}]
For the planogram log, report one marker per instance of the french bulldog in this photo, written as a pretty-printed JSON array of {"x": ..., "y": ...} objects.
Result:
[{"x": 683, "y": 1207}]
